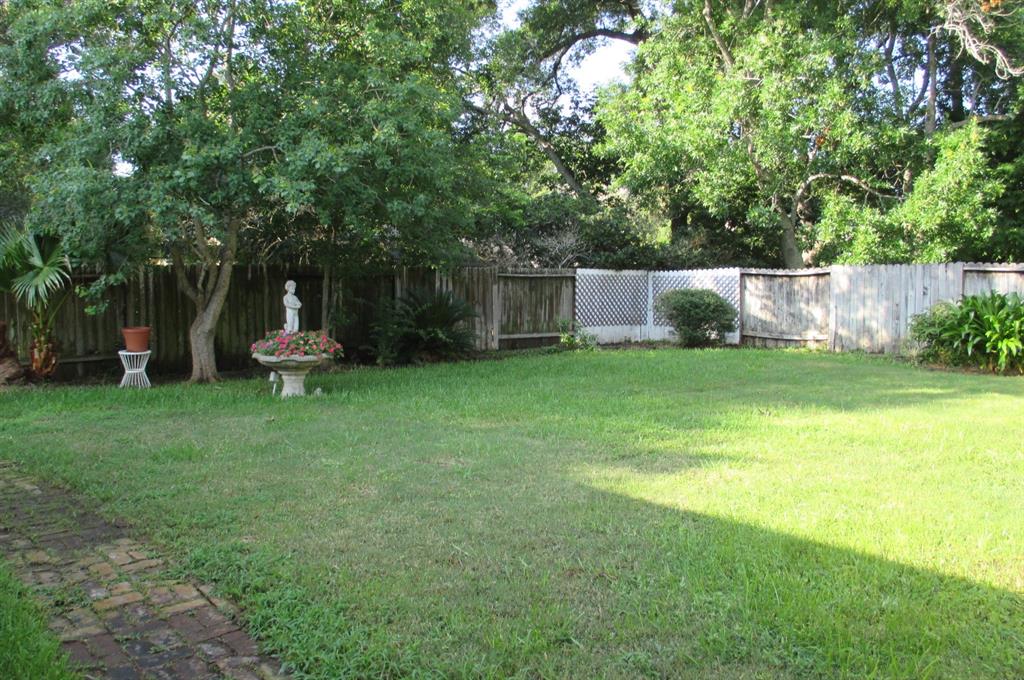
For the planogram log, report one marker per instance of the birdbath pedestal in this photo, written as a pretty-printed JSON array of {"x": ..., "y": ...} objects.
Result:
[{"x": 292, "y": 369}]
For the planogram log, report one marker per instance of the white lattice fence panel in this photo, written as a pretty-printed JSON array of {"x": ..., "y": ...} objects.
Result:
[
  {"x": 725, "y": 282},
  {"x": 610, "y": 298}
]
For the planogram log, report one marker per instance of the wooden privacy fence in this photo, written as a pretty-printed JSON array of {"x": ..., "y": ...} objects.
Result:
[
  {"x": 865, "y": 308},
  {"x": 152, "y": 298},
  {"x": 513, "y": 306},
  {"x": 842, "y": 308}
]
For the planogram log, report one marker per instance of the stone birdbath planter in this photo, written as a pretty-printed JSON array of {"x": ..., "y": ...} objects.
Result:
[{"x": 293, "y": 356}]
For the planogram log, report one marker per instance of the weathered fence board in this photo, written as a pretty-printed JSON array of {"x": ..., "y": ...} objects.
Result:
[
  {"x": 873, "y": 305},
  {"x": 479, "y": 286},
  {"x": 1001, "y": 278},
  {"x": 780, "y": 309},
  {"x": 867, "y": 308},
  {"x": 512, "y": 306},
  {"x": 534, "y": 301}
]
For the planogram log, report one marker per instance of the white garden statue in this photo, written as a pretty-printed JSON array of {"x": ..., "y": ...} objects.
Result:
[
  {"x": 291, "y": 308},
  {"x": 292, "y": 370}
]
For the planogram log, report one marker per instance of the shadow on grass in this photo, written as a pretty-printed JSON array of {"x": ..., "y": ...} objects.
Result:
[{"x": 687, "y": 594}]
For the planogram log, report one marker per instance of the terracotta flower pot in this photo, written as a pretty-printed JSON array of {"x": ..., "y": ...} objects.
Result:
[{"x": 136, "y": 338}]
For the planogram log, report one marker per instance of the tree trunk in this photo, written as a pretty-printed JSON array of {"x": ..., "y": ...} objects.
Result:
[
  {"x": 201, "y": 336},
  {"x": 931, "y": 117},
  {"x": 204, "y": 329},
  {"x": 679, "y": 224},
  {"x": 791, "y": 255},
  {"x": 568, "y": 176},
  {"x": 955, "y": 88},
  {"x": 209, "y": 295}
]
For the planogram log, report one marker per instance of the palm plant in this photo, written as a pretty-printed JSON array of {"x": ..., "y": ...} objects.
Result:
[{"x": 36, "y": 270}]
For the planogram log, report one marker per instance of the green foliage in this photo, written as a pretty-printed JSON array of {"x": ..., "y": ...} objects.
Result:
[
  {"x": 807, "y": 124},
  {"x": 700, "y": 317},
  {"x": 423, "y": 327},
  {"x": 986, "y": 331},
  {"x": 1005, "y": 144},
  {"x": 229, "y": 131},
  {"x": 28, "y": 651},
  {"x": 949, "y": 215},
  {"x": 574, "y": 338},
  {"x": 928, "y": 330},
  {"x": 36, "y": 270}
]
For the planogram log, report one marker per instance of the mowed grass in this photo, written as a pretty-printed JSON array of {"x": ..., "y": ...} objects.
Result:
[
  {"x": 706, "y": 514},
  {"x": 28, "y": 650}
]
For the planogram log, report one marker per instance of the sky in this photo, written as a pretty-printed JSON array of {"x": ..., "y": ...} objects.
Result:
[{"x": 601, "y": 67}]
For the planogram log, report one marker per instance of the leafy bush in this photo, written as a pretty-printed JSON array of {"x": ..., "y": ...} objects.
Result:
[
  {"x": 926, "y": 333},
  {"x": 423, "y": 327},
  {"x": 699, "y": 316},
  {"x": 986, "y": 331},
  {"x": 574, "y": 339}
]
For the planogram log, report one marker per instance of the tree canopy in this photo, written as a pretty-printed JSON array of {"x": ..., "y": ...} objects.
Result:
[
  {"x": 198, "y": 129},
  {"x": 353, "y": 135}
]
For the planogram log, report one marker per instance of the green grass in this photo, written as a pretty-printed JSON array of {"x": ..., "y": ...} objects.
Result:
[
  {"x": 28, "y": 651},
  {"x": 706, "y": 514}
]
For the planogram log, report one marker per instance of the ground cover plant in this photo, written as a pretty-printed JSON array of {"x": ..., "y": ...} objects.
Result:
[
  {"x": 714, "y": 513},
  {"x": 27, "y": 649}
]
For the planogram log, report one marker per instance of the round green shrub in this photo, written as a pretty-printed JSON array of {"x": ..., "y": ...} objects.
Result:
[{"x": 700, "y": 317}]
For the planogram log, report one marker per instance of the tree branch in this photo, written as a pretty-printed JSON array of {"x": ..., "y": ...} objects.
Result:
[
  {"x": 221, "y": 284},
  {"x": 894, "y": 81},
  {"x": 523, "y": 123},
  {"x": 272, "y": 147},
  {"x": 991, "y": 118},
  {"x": 635, "y": 38},
  {"x": 802, "y": 191},
  {"x": 715, "y": 35},
  {"x": 973, "y": 23},
  {"x": 178, "y": 259}
]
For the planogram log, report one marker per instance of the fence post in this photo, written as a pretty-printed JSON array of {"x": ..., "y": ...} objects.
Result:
[
  {"x": 739, "y": 311},
  {"x": 649, "y": 325},
  {"x": 497, "y": 317},
  {"x": 833, "y": 312}
]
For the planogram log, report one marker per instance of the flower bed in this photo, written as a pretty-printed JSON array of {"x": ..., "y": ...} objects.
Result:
[{"x": 299, "y": 344}]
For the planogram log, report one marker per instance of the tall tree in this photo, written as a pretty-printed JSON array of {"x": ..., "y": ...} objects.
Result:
[
  {"x": 199, "y": 126},
  {"x": 521, "y": 79},
  {"x": 783, "y": 106}
]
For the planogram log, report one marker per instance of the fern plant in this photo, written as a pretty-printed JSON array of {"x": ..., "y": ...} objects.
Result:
[{"x": 423, "y": 327}]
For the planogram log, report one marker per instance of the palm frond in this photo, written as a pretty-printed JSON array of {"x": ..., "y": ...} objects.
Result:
[
  {"x": 12, "y": 255},
  {"x": 42, "y": 269}
]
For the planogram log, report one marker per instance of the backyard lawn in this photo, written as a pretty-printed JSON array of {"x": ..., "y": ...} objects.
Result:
[{"x": 732, "y": 513}]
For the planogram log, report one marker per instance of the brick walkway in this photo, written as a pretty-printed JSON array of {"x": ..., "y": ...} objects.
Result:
[{"x": 116, "y": 613}]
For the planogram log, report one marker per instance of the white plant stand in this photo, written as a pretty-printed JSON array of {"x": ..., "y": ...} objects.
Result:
[
  {"x": 135, "y": 369},
  {"x": 293, "y": 371}
]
